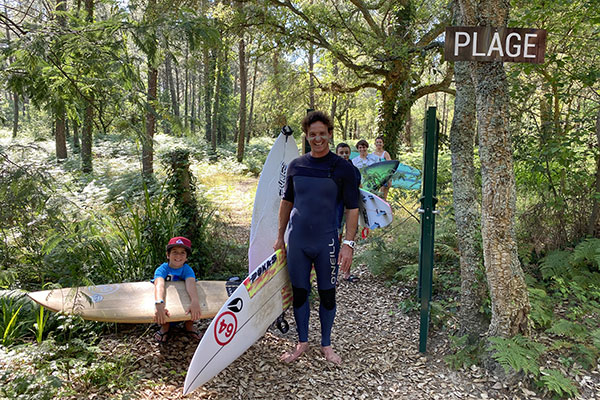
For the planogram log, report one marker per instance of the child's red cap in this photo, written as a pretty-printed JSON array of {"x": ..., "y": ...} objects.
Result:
[{"x": 181, "y": 242}]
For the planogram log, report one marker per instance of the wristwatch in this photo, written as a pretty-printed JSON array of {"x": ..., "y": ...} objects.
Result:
[
  {"x": 157, "y": 302},
  {"x": 349, "y": 243}
]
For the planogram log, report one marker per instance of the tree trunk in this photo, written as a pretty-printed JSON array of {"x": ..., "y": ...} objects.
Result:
[
  {"x": 466, "y": 206},
  {"x": 281, "y": 119},
  {"x": 595, "y": 207},
  {"x": 15, "y": 95},
  {"x": 345, "y": 135},
  {"x": 148, "y": 143},
  {"x": 209, "y": 85},
  {"x": 251, "y": 113},
  {"x": 215, "y": 108},
  {"x": 508, "y": 291},
  {"x": 193, "y": 102},
  {"x": 88, "y": 117},
  {"x": 76, "y": 144},
  {"x": 171, "y": 85},
  {"x": 186, "y": 89},
  {"x": 60, "y": 137},
  {"x": 15, "y": 129},
  {"x": 311, "y": 77},
  {"x": 243, "y": 88}
]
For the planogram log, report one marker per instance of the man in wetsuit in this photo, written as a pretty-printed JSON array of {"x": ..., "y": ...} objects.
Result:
[{"x": 316, "y": 183}]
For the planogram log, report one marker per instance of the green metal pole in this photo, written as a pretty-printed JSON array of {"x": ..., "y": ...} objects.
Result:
[{"x": 427, "y": 211}]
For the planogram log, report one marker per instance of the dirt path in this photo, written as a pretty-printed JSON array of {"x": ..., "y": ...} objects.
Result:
[{"x": 377, "y": 342}]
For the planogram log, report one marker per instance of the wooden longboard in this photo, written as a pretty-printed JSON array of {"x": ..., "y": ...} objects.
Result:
[
  {"x": 244, "y": 318},
  {"x": 131, "y": 302}
]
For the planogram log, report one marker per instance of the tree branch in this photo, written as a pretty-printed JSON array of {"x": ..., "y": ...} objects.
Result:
[
  {"x": 443, "y": 86},
  {"x": 368, "y": 18}
]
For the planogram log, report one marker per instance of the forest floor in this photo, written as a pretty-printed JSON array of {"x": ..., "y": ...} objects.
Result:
[{"x": 378, "y": 344}]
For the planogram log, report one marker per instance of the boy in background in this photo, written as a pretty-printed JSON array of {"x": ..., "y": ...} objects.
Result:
[
  {"x": 175, "y": 269},
  {"x": 343, "y": 150}
]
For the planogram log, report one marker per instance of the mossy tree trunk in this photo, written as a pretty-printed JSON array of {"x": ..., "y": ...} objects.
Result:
[
  {"x": 466, "y": 202},
  {"x": 508, "y": 291}
]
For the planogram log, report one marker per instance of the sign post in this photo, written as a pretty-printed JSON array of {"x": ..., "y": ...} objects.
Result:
[
  {"x": 427, "y": 211},
  {"x": 486, "y": 43}
]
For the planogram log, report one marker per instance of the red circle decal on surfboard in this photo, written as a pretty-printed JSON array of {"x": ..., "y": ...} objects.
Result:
[{"x": 225, "y": 327}]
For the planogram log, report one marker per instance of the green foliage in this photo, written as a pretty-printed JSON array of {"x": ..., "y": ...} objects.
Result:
[
  {"x": 464, "y": 353},
  {"x": 555, "y": 382},
  {"x": 70, "y": 370},
  {"x": 518, "y": 353},
  {"x": 574, "y": 330},
  {"x": 14, "y": 318},
  {"x": 40, "y": 324},
  {"x": 541, "y": 307},
  {"x": 555, "y": 264},
  {"x": 587, "y": 254}
]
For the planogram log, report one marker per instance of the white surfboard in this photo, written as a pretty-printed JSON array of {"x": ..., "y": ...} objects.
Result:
[
  {"x": 373, "y": 211},
  {"x": 263, "y": 231},
  {"x": 244, "y": 318}
]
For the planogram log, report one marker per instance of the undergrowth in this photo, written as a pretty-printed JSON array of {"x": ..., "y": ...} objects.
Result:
[{"x": 564, "y": 292}]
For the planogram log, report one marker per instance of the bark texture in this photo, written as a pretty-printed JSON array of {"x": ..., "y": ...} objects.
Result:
[
  {"x": 466, "y": 205},
  {"x": 508, "y": 292},
  {"x": 148, "y": 145},
  {"x": 60, "y": 137}
]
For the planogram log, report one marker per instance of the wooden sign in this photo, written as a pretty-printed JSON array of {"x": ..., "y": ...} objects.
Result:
[{"x": 470, "y": 43}]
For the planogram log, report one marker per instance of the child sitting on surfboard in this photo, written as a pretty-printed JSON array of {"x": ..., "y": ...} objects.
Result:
[{"x": 175, "y": 269}]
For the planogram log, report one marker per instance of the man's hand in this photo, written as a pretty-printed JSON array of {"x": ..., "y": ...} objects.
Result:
[
  {"x": 194, "y": 310},
  {"x": 345, "y": 259},
  {"x": 161, "y": 314},
  {"x": 280, "y": 245}
]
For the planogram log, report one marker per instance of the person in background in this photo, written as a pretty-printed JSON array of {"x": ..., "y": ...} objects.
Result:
[
  {"x": 382, "y": 155},
  {"x": 364, "y": 159},
  {"x": 343, "y": 150},
  {"x": 175, "y": 269}
]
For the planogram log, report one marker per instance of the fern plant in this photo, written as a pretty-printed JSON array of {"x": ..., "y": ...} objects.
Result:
[
  {"x": 555, "y": 264},
  {"x": 569, "y": 329},
  {"x": 517, "y": 353},
  {"x": 587, "y": 253},
  {"x": 554, "y": 381},
  {"x": 541, "y": 308}
]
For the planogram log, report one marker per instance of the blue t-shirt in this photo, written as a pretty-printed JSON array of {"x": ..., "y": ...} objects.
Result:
[{"x": 174, "y": 274}]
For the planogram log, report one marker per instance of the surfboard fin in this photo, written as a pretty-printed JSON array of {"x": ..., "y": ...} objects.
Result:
[
  {"x": 282, "y": 324},
  {"x": 232, "y": 284}
]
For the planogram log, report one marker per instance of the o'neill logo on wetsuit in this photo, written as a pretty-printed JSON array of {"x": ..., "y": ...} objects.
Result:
[
  {"x": 263, "y": 273},
  {"x": 332, "y": 260},
  {"x": 282, "y": 174}
]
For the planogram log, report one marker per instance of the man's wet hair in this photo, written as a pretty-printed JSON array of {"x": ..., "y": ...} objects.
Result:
[{"x": 316, "y": 116}]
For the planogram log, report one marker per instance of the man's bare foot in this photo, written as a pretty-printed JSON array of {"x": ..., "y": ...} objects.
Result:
[
  {"x": 331, "y": 355},
  {"x": 288, "y": 357}
]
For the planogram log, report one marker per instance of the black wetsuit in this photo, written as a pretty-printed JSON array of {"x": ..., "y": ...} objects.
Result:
[{"x": 316, "y": 186}]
